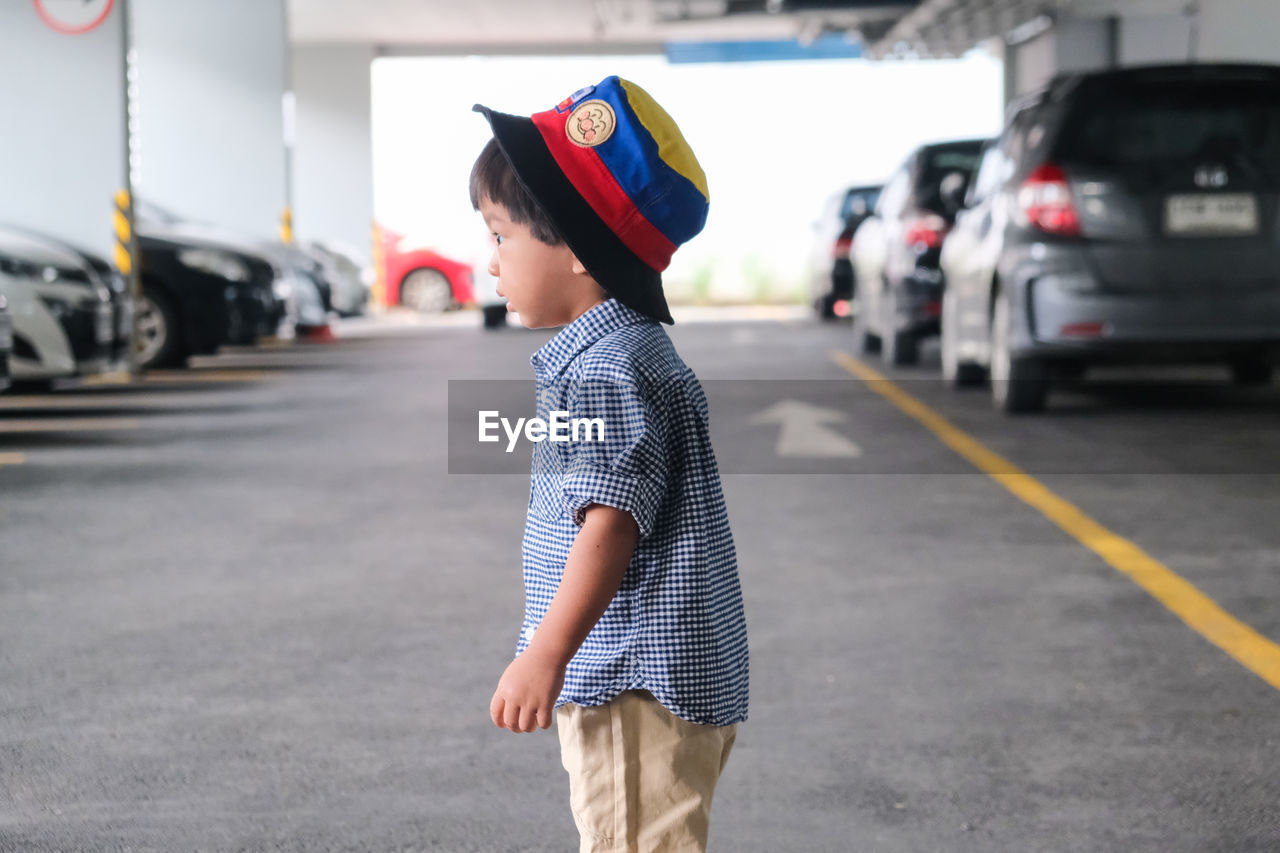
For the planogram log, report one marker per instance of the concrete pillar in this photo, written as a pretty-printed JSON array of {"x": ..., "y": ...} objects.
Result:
[
  {"x": 1238, "y": 31},
  {"x": 1034, "y": 63},
  {"x": 64, "y": 137},
  {"x": 1153, "y": 39},
  {"x": 333, "y": 149},
  {"x": 1073, "y": 44},
  {"x": 211, "y": 88}
]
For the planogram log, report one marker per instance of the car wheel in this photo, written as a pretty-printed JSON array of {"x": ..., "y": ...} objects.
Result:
[
  {"x": 899, "y": 348},
  {"x": 495, "y": 316},
  {"x": 158, "y": 331},
  {"x": 1017, "y": 384},
  {"x": 1252, "y": 372},
  {"x": 825, "y": 306},
  {"x": 960, "y": 374},
  {"x": 426, "y": 291},
  {"x": 865, "y": 341}
]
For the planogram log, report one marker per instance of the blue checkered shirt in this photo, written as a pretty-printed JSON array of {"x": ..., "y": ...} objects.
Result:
[{"x": 676, "y": 627}]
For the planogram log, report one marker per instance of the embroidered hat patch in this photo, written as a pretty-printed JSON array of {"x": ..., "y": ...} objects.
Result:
[{"x": 591, "y": 124}]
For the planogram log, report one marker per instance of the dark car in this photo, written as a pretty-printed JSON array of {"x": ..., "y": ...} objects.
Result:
[
  {"x": 199, "y": 293},
  {"x": 1127, "y": 216},
  {"x": 830, "y": 270},
  {"x": 895, "y": 251}
]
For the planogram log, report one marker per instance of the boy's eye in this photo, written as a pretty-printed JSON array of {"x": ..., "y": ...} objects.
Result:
[{"x": 497, "y": 238}]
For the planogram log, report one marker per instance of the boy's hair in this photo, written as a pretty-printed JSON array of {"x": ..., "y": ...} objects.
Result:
[{"x": 493, "y": 179}]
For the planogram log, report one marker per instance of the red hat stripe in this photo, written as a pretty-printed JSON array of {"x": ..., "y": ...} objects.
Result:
[{"x": 598, "y": 186}]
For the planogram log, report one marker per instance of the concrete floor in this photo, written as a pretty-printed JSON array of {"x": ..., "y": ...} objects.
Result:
[{"x": 246, "y": 607}]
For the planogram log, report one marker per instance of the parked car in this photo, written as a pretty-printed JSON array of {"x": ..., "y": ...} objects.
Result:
[
  {"x": 348, "y": 279},
  {"x": 421, "y": 278},
  {"x": 1128, "y": 216},
  {"x": 309, "y": 284},
  {"x": 61, "y": 312},
  {"x": 6, "y": 341},
  {"x": 122, "y": 309},
  {"x": 830, "y": 268},
  {"x": 118, "y": 288},
  {"x": 200, "y": 291},
  {"x": 205, "y": 286},
  {"x": 895, "y": 251}
]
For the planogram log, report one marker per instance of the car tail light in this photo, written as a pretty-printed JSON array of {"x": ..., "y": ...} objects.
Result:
[
  {"x": 1083, "y": 330},
  {"x": 1045, "y": 200},
  {"x": 842, "y": 246},
  {"x": 925, "y": 232}
]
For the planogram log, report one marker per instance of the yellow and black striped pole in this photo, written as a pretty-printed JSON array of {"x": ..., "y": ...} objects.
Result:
[
  {"x": 124, "y": 234},
  {"x": 125, "y": 256},
  {"x": 379, "y": 295},
  {"x": 286, "y": 226}
]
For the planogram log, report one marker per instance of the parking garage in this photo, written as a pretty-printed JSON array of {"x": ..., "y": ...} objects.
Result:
[{"x": 986, "y": 312}]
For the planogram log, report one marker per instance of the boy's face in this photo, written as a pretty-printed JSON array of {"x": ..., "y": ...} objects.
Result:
[{"x": 545, "y": 285}]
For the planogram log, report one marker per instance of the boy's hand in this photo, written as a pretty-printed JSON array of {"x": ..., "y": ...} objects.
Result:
[
  {"x": 527, "y": 693},
  {"x": 528, "y": 690}
]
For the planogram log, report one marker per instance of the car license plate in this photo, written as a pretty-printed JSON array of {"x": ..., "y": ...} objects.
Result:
[{"x": 1211, "y": 215}]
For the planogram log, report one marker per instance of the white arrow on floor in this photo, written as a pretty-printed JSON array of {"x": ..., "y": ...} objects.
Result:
[{"x": 804, "y": 431}]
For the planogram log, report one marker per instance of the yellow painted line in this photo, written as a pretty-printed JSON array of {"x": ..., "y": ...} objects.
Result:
[
  {"x": 68, "y": 425},
  {"x": 196, "y": 377},
  {"x": 1202, "y": 614},
  {"x": 12, "y": 459},
  {"x": 117, "y": 377},
  {"x": 71, "y": 402},
  {"x": 179, "y": 376}
]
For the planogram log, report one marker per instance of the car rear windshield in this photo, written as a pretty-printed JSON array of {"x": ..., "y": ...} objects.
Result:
[
  {"x": 1146, "y": 125},
  {"x": 859, "y": 203},
  {"x": 940, "y": 162}
]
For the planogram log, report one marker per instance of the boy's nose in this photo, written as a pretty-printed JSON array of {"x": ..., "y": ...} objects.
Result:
[{"x": 493, "y": 264}]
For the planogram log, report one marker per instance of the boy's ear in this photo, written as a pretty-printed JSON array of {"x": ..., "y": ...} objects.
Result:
[{"x": 577, "y": 267}]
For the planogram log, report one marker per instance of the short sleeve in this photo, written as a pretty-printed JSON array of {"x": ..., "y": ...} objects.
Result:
[{"x": 619, "y": 458}]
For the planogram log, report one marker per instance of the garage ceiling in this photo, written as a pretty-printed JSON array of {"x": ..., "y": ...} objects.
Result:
[
  {"x": 447, "y": 26},
  {"x": 907, "y": 28},
  {"x": 950, "y": 27}
]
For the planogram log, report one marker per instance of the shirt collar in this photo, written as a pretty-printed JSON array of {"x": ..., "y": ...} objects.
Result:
[{"x": 597, "y": 321}]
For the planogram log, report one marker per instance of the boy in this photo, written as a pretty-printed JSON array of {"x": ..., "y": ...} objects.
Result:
[{"x": 634, "y": 636}]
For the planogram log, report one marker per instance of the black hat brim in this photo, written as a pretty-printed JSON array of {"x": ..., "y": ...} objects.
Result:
[{"x": 615, "y": 267}]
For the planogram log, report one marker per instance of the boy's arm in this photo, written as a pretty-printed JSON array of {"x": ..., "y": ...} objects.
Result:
[{"x": 601, "y": 552}]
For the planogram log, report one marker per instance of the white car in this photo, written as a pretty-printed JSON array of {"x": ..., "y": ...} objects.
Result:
[
  {"x": 61, "y": 311},
  {"x": 349, "y": 281}
]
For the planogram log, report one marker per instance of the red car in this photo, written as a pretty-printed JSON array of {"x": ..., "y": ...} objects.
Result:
[{"x": 421, "y": 278}]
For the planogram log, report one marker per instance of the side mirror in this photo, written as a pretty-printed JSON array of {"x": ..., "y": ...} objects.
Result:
[{"x": 953, "y": 189}]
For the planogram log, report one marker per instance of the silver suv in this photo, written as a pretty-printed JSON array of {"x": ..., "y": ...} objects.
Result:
[{"x": 1126, "y": 216}]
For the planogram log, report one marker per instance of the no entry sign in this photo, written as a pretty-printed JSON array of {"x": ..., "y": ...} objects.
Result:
[{"x": 73, "y": 16}]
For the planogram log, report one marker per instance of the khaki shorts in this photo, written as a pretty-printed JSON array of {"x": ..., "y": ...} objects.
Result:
[{"x": 640, "y": 778}]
